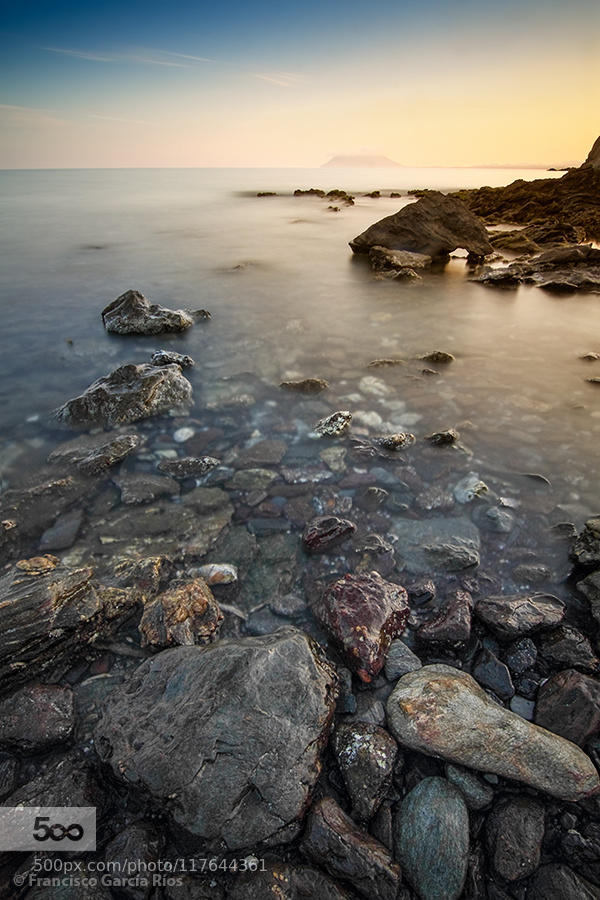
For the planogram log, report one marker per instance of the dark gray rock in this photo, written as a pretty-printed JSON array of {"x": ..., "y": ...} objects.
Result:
[
  {"x": 557, "y": 882},
  {"x": 127, "y": 394},
  {"x": 69, "y": 782},
  {"x": 569, "y": 704},
  {"x": 435, "y": 225},
  {"x": 521, "y": 655},
  {"x": 280, "y": 881},
  {"x": 453, "y": 623},
  {"x": 94, "y": 454},
  {"x": 336, "y": 844},
  {"x": 443, "y": 712},
  {"x": 477, "y": 793},
  {"x": 590, "y": 588},
  {"x": 168, "y": 357},
  {"x": 9, "y": 773},
  {"x": 325, "y": 532},
  {"x": 305, "y": 385},
  {"x": 431, "y": 837},
  {"x": 366, "y": 755},
  {"x": 142, "y": 844},
  {"x": 513, "y": 615},
  {"x": 143, "y": 487},
  {"x": 186, "y": 614},
  {"x": 493, "y": 674},
  {"x": 36, "y": 717},
  {"x": 132, "y": 313},
  {"x": 63, "y": 533},
  {"x": 236, "y": 767},
  {"x": 566, "y": 647},
  {"x": 514, "y": 835},
  {"x": 399, "y": 660},
  {"x": 188, "y": 466},
  {"x": 565, "y": 269},
  {"x": 586, "y": 550},
  {"x": 436, "y": 544}
]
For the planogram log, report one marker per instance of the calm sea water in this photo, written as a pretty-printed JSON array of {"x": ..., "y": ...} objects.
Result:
[{"x": 288, "y": 297}]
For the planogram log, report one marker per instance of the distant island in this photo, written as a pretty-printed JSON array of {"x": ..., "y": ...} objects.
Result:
[{"x": 361, "y": 160}]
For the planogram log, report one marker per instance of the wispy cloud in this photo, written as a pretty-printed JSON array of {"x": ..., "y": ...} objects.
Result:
[
  {"x": 141, "y": 56},
  {"x": 29, "y": 114},
  {"x": 119, "y": 119},
  {"x": 283, "y": 79}
]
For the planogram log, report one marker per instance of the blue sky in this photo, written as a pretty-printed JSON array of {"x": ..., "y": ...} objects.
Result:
[{"x": 264, "y": 84}]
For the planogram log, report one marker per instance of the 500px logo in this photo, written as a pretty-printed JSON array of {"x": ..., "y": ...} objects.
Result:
[{"x": 63, "y": 829}]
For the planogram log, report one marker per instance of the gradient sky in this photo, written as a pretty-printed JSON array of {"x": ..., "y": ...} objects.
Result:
[{"x": 425, "y": 82}]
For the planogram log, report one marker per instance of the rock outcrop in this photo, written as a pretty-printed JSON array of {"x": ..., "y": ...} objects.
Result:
[
  {"x": 127, "y": 394},
  {"x": 593, "y": 158},
  {"x": 563, "y": 270},
  {"x": 132, "y": 313},
  {"x": 435, "y": 226},
  {"x": 226, "y": 738}
]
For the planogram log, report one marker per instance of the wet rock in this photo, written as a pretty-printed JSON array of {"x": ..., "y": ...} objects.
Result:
[
  {"x": 93, "y": 454},
  {"x": 306, "y": 385},
  {"x": 363, "y": 613},
  {"x": 248, "y": 480},
  {"x": 143, "y": 487},
  {"x": 334, "y": 458},
  {"x": 127, "y": 394},
  {"x": 586, "y": 550},
  {"x": 382, "y": 259},
  {"x": 501, "y": 520},
  {"x": 377, "y": 555},
  {"x": 556, "y": 881},
  {"x": 168, "y": 357},
  {"x": 436, "y": 544},
  {"x": 325, "y": 532},
  {"x": 392, "y": 442},
  {"x": 469, "y": 488},
  {"x": 279, "y": 881},
  {"x": 218, "y": 573},
  {"x": 63, "y": 533},
  {"x": 334, "y": 425},
  {"x": 443, "y": 712},
  {"x": 443, "y": 438},
  {"x": 477, "y": 794},
  {"x": 439, "y": 357},
  {"x": 514, "y": 835},
  {"x": 237, "y": 768},
  {"x": 493, "y": 674},
  {"x": 435, "y": 225},
  {"x": 309, "y": 192},
  {"x": 262, "y": 453},
  {"x": 399, "y": 660},
  {"x": 434, "y": 497},
  {"x": 453, "y": 622},
  {"x": 590, "y": 588},
  {"x": 573, "y": 267},
  {"x": 9, "y": 773},
  {"x": 512, "y": 615},
  {"x": 140, "y": 842},
  {"x": 338, "y": 846},
  {"x": 50, "y": 612},
  {"x": 569, "y": 704},
  {"x": 521, "y": 655},
  {"x": 431, "y": 837},
  {"x": 568, "y": 647},
  {"x": 188, "y": 466},
  {"x": 366, "y": 755},
  {"x": 132, "y": 313},
  {"x": 186, "y": 614},
  {"x": 36, "y": 717},
  {"x": 69, "y": 782}
]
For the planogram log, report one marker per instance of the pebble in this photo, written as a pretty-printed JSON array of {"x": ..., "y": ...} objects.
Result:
[{"x": 181, "y": 435}]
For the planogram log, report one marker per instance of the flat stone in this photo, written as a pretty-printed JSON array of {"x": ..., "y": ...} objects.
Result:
[
  {"x": 399, "y": 660},
  {"x": 436, "y": 544},
  {"x": 143, "y": 487},
  {"x": 186, "y": 614},
  {"x": 431, "y": 839},
  {"x": 513, "y": 615},
  {"x": 569, "y": 704},
  {"x": 443, "y": 712},
  {"x": 188, "y": 466},
  {"x": 363, "y": 613},
  {"x": 252, "y": 480},
  {"x": 236, "y": 768},
  {"x": 366, "y": 755},
  {"x": 493, "y": 674},
  {"x": 94, "y": 454},
  {"x": 514, "y": 835},
  {"x": 127, "y": 394},
  {"x": 262, "y": 453},
  {"x": 336, "y": 844},
  {"x": 132, "y": 313},
  {"x": 36, "y": 717},
  {"x": 453, "y": 622},
  {"x": 305, "y": 385}
]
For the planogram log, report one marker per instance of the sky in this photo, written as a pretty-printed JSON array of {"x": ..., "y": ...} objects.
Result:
[{"x": 126, "y": 83}]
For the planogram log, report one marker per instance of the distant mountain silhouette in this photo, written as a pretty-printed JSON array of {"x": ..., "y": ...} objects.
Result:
[{"x": 361, "y": 160}]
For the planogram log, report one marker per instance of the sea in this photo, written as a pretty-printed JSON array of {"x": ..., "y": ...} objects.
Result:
[{"x": 288, "y": 299}]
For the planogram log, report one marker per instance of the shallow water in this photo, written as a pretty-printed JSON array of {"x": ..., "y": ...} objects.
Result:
[{"x": 288, "y": 298}]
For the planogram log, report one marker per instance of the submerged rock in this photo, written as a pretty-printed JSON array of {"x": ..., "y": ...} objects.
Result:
[
  {"x": 431, "y": 838},
  {"x": 569, "y": 704},
  {"x": 443, "y": 438},
  {"x": 168, "y": 357},
  {"x": 306, "y": 385},
  {"x": 188, "y": 466},
  {"x": 336, "y": 844},
  {"x": 95, "y": 454},
  {"x": 514, "y": 835},
  {"x": 436, "y": 544},
  {"x": 127, "y": 394},
  {"x": 513, "y": 615},
  {"x": 363, "y": 613},
  {"x": 132, "y": 313},
  {"x": 143, "y": 487},
  {"x": 393, "y": 442},
  {"x": 325, "y": 532},
  {"x": 443, "y": 712},
  {"x": 235, "y": 768},
  {"x": 435, "y": 225},
  {"x": 185, "y": 614},
  {"x": 366, "y": 755},
  {"x": 334, "y": 425}
]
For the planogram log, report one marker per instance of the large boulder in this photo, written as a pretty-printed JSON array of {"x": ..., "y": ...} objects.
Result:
[
  {"x": 127, "y": 394},
  {"x": 132, "y": 313},
  {"x": 443, "y": 712},
  {"x": 593, "y": 158},
  {"x": 225, "y": 738},
  {"x": 435, "y": 225}
]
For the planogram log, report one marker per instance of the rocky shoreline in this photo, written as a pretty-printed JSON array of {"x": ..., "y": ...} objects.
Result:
[{"x": 309, "y": 655}]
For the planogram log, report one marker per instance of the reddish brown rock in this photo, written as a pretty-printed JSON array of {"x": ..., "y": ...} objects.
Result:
[
  {"x": 363, "y": 613},
  {"x": 325, "y": 532},
  {"x": 186, "y": 614},
  {"x": 569, "y": 704},
  {"x": 453, "y": 622}
]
